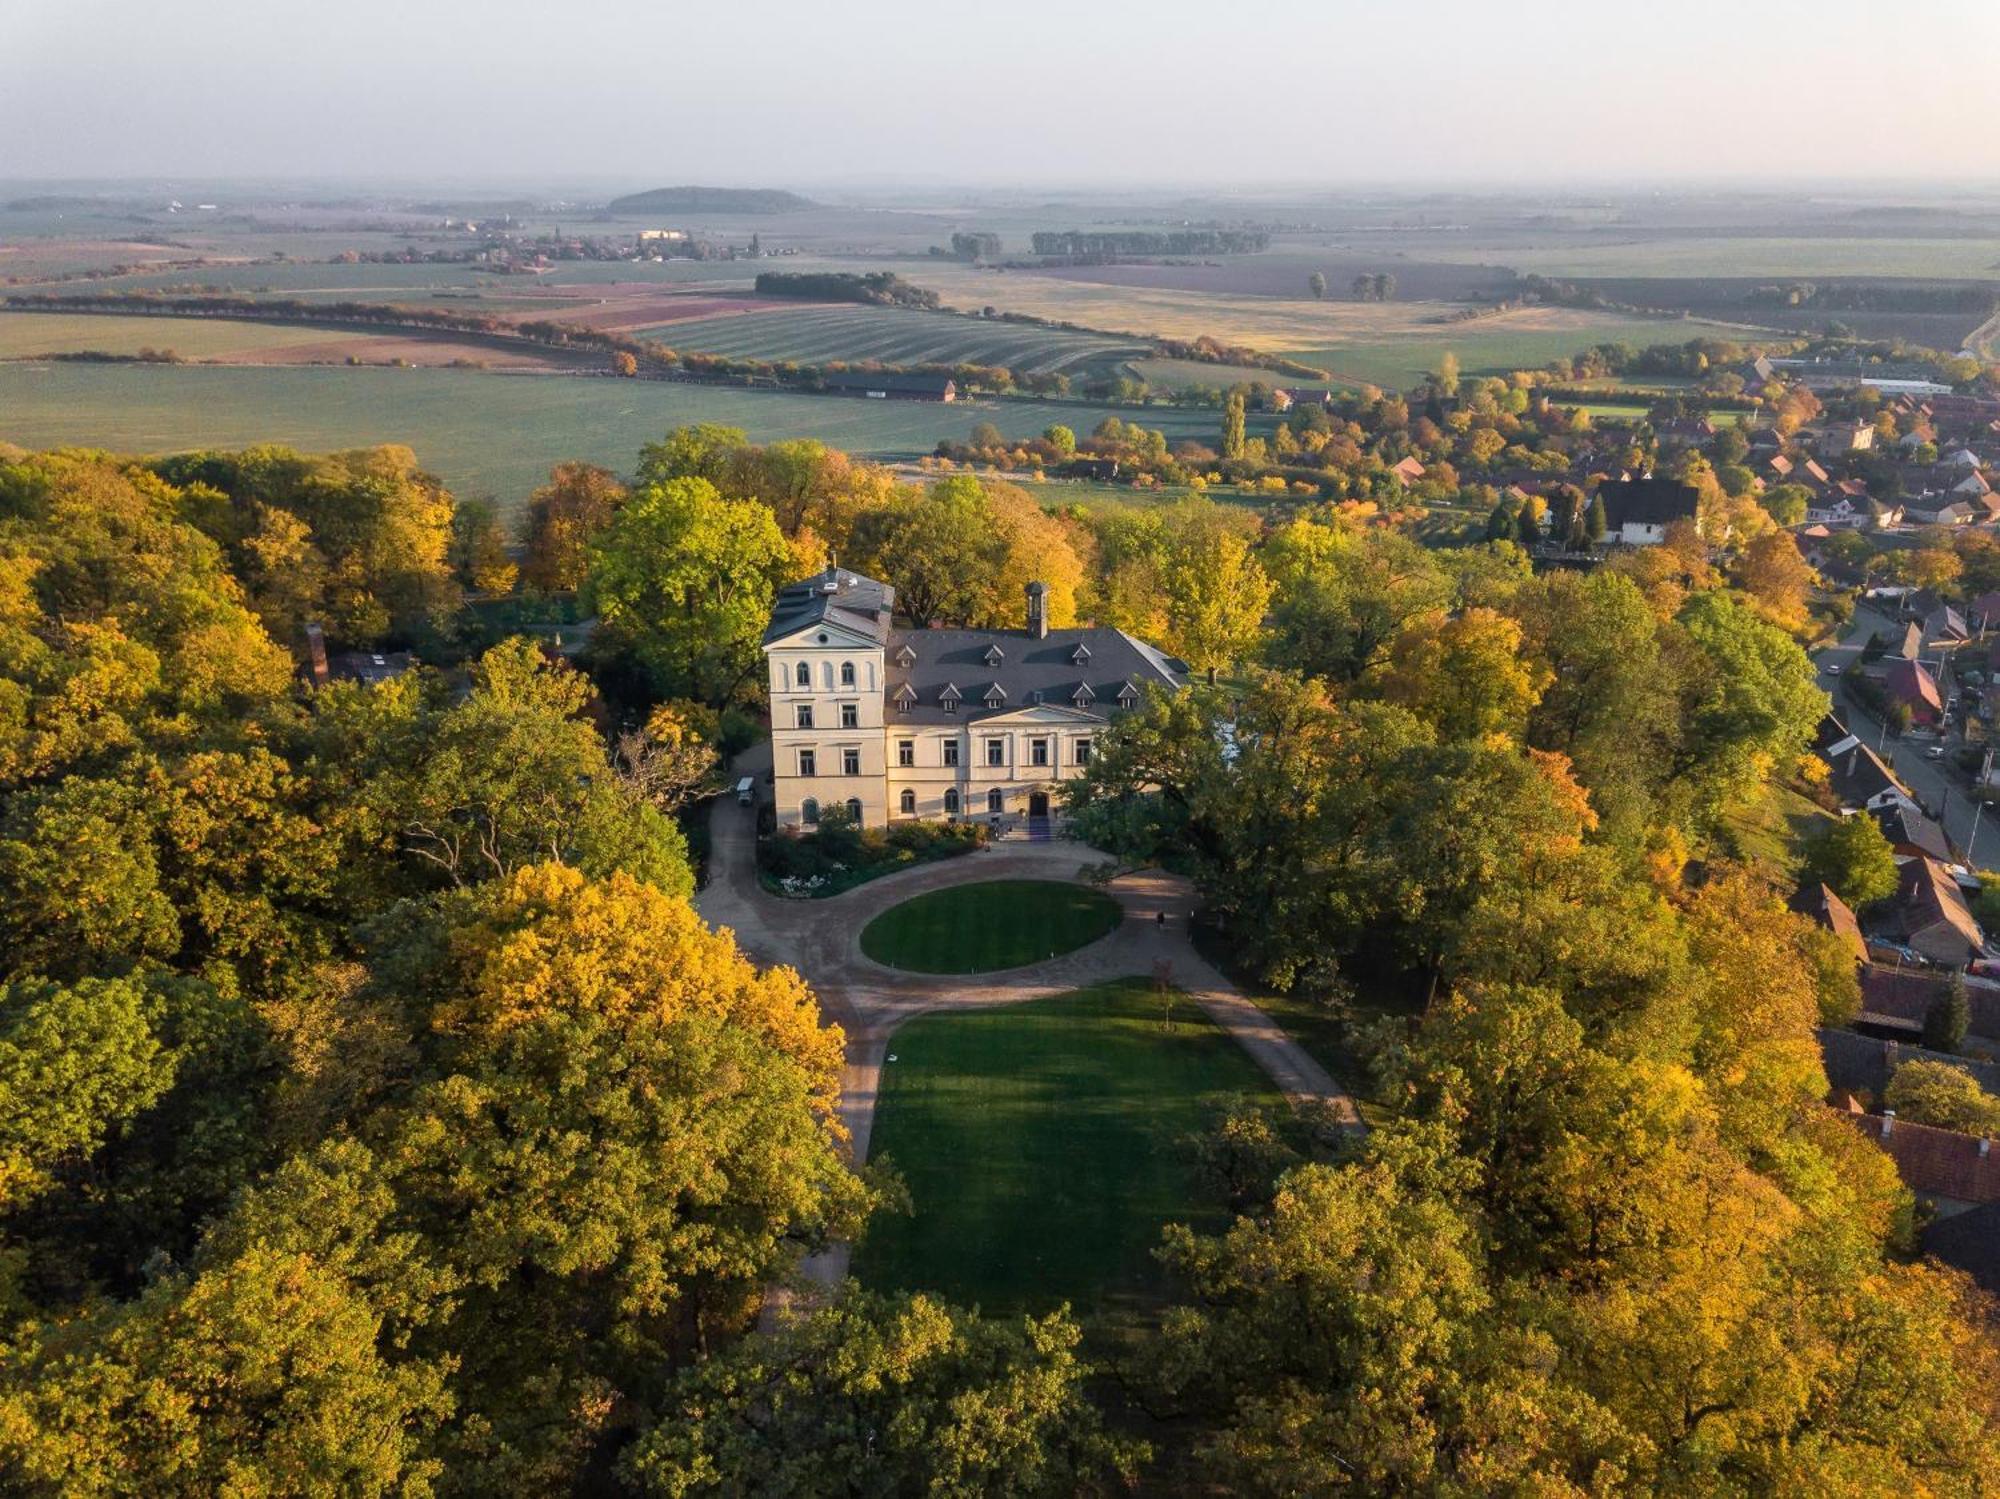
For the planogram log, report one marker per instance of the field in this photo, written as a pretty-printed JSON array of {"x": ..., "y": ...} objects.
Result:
[
  {"x": 26, "y": 334},
  {"x": 993, "y": 925},
  {"x": 1610, "y": 253},
  {"x": 481, "y": 433},
  {"x": 1075, "y": 1109},
  {"x": 816, "y": 335}
]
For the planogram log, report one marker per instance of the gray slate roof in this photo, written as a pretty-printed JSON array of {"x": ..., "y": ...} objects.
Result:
[
  {"x": 958, "y": 658},
  {"x": 835, "y": 596}
]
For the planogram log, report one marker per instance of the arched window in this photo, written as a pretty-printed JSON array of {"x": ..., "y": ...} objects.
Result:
[
  {"x": 847, "y": 673},
  {"x": 909, "y": 803},
  {"x": 996, "y": 801},
  {"x": 951, "y": 801},
  {"x": 809, "y": 812},
  {"x": 854, "y": 810},
  {"x": 803, "y": 675}
]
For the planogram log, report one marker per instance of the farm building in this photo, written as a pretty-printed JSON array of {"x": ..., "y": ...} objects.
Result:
[
  {"x": 1638, "y": 511},
  {"x": 879, "y": 385}
]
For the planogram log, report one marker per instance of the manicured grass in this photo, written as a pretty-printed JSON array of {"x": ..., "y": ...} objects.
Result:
[
  {"x": 997, "y": 924},
  {"x": 1043, "y": 1148}
]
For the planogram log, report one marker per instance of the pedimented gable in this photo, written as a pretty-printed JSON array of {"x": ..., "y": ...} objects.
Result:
[
  {"x": 1032, "y": 714},
  {"x": 824, "y": 635}
]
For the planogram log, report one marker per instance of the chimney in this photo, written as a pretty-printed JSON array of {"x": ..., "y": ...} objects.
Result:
[
  {"x": 316, "y": 665},
  {"x": 1888, "y": 1123},
  {"x": 1038, "y": 610}
]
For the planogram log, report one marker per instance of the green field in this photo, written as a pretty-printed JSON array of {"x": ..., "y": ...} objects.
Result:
[
  {"x": 1074, "y": 1109},
  {"x": 988, "y": 926},
  {"x": 893, "y": 335},
  {"x": 481, "y": 433},
  {"x": 26, "y": 334}
]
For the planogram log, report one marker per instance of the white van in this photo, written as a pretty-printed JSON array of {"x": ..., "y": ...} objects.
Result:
[{"x": 746, "y": 791}]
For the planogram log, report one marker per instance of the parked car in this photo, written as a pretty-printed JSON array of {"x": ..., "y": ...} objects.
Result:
[
  {"x": 1833, "y": 668},
  {"x": 1935, "y": 752}
]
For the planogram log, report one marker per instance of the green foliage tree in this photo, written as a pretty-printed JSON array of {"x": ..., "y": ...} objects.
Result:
[
  {"x": 1853, "y": 857},
  {"x": 1595, "y": 522},
  {"x": 685, "y": 578},
  {"x": 1948, "y": 1016},
  {"x": 1943, "y": 1096},
  {"x": 563, "y": 518},
  {"x": 1232, "y": 426},
  {"x": 1316, "y": 284},
  {"x": 1062, "y": 439},
  {"x": 878, "y": 1394}
]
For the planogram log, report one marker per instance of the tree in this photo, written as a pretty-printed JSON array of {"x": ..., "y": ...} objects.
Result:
[
  {"x": 1786, "y": 503},
  {"x": 564, "y": 516},
  {"x": 1446, "y": 379},
  {"x": 1852, "y": 856},
  {"x": 1780, "y": 581},
  {"x": 685, "y": 578},
  {"x": 1594, "y": 521},
  {"x": 1500, "y": 522},
  {"x": 1215, "y": 590},
  {"x": 620, "y": 1132},
  {"x": 1466, "y": 674},
  {"x": 1527, "y": 528},
  {"x": 624, "y": 364},
  {"x": 1316, "y": 284},
  {"x": 1948, "y": 1016},
  {"x": 943, "y": 548},
  {"x": 889, "y": 1395},
  {"x": 1232, "y": 426},
  {"x": 479, "y": 554},
  {"x": 673, "y": 759},
  {"x": 277, "y": 1363},
  {"x": 1341, "y": 593},
  {"x": 1749, "y": 701},
  {"x": 1942, "y": 1096},
  {"x": 1062, "y": 439}
]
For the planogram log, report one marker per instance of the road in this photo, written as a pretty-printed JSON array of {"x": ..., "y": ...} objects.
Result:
[{"x": 1938, "y": 784}]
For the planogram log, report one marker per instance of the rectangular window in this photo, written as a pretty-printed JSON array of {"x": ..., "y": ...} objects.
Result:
[
  {"x": 850, "y": 762},
  {"x": 807, "y": 765},
  {"x": 951, "y": 705},
  {"x": 906, "y": 752},
  {"x": 850, "y": 715},
  {"x": 805, "y": 715},
  {"x": 951, "y": 752},
  {"x": 996, "y": 752},
  {"x": 1038, "y": 752},
  {"x": 1083, "y": 751}
]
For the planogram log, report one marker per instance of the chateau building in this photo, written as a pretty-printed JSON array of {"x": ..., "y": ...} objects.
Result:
[{"x": 897, "y": 724}]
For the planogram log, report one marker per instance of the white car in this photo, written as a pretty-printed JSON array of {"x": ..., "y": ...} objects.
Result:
[{"x": 1833, "y": 668}]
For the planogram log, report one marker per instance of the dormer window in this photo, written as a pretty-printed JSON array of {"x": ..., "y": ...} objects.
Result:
[
  {"x": 1083, "y": 696},
  {"x": 995, "y": 695},
  {"x": 1080, "y": 655},
  {"x": 1127, "y": 695},
  {"x": 948, "y": 699},
  {"x": 906, "y": 698},
  {"x": 1035, "y": 697},
  {"x": 905, "y": 657},
  {"x": 994, "y": 655}
]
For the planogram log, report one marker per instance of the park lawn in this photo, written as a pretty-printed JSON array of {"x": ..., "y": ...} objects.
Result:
[
  {"x": 1043, "y": 1147},
  {"x": 991, "y": 925}
]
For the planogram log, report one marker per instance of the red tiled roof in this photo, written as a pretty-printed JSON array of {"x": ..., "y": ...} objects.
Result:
[
  {"x": 1910, "y": 683},
  {"x": 1937, "y": 1162}
]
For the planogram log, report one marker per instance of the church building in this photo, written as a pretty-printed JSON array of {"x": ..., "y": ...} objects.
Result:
[{"x": 897, "y": 724}]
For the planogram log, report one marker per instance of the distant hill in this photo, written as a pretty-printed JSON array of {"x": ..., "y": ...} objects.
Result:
[{"x": 710, "y": 200}]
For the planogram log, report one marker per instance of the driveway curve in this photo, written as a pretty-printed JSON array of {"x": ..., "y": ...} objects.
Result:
[{"x": 822, "y": 940}]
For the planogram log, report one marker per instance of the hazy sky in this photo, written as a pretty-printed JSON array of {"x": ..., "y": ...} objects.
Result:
[{"x": 804, "y": 92}]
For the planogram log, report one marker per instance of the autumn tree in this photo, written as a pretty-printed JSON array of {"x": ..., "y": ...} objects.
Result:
[
  {"x": 1466, "y": 674},
  {"x": 564, "y": 516}
]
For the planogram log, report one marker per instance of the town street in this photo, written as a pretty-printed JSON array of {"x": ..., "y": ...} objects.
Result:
[{"x": 1938, "y": 784}]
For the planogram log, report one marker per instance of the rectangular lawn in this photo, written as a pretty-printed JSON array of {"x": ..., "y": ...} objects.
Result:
[{"x": 1043, "y": 1146}]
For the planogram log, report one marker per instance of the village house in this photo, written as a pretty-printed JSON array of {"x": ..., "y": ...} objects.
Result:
[
  {"x": 1407, "y": 472},
  {"x": 1953, "y": 1170},
  {"x": 1908, "y": 683},
  {"x": 1830, "y": 911},
  {"x": 1911, "y": 835},
  {"x": 900, "y": 724},
  {"x": 1637, "y": 512},
  {"x": 1931, "y": 916}
]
